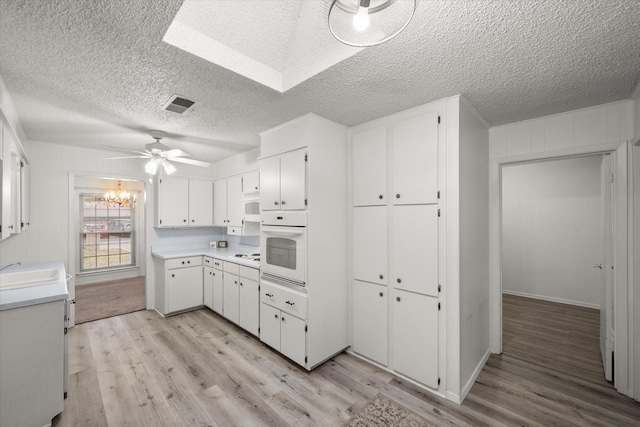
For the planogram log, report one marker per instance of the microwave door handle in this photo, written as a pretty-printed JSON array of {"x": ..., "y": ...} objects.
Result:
[{"x": 273, "y": 232}]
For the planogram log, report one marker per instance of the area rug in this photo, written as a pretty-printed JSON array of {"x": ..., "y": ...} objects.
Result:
[
  {"x": 107, "y": 299},
  {"x": 384, "y": 412}
]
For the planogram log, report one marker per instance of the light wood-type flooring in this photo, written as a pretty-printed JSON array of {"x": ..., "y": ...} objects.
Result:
[
  {"x": 198, "y": 369},
  {"x": 107, "y": 299}
]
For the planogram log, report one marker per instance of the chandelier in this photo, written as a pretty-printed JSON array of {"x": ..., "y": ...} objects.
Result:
[{"x": 119, "y": 197}]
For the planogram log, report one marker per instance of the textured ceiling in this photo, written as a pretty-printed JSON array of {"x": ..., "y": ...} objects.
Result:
[{"x": 96, "y": 72}]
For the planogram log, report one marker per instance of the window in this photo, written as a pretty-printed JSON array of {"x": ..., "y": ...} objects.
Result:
[{"x": 107, "y": 236}]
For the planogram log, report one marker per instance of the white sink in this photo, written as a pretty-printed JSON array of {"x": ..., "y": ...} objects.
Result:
[{"x": 24, "y": 279}]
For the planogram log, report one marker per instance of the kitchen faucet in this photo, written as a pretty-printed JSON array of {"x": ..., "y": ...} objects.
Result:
[{"x": 9, "y": 265}]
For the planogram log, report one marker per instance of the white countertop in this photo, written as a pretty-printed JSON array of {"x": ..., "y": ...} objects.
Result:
[
  {"x": 32, "y": 295},
  {"x": 224, "y": 254}
]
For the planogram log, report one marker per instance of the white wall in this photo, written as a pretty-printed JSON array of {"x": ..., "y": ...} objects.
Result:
[
  {"x": 552, "y": 230},
  {"x": 242, "y": 162},
  {"x": 474, "y": 240}
]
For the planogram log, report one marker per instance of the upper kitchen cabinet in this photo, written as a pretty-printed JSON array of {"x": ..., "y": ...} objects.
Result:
[
  {"x": 283, "y": 181},
  {"x": 369, "y": 167},
  {"x": 251, "y": 182},
  {"x": 14, "y": 207},
  {"x": 227, "y": 205},
  {"x": 183, "y": 202},
  {"x": 415, "y": 160}
]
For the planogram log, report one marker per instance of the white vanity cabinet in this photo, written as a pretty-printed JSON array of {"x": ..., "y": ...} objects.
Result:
[
  {"x": 183, "y": 202},
  {"x": 369, "y": 167},
  {"x": 179, "y": 284},
  {"x": 283, "y": 326},
  {"x": 283, "y": 181}
]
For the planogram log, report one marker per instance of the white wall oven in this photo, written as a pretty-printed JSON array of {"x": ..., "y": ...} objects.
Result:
[{"x": 283, "y": 248}]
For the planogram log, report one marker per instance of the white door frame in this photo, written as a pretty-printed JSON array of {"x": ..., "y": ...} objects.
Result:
[{"x": 622, "y": 253}]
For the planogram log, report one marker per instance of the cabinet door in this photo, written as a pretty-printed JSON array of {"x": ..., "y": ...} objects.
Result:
[
  {"x": 370, "y": 321},
  {"x": 184, "y": 288},
  {"x": 5, "y": 194},
  {"x": 370, "y": 167},
  {"x": 220, "y": 203},
  {"x": 249, "y": 305},
  {"x": 234, "y": 201},
  {"x": 16, "y": 193},
  {"x": 415, "y": 337},
  {"x": 208, "y": 286},
  {"x": 200, "y": 203},
  {"x": 293, "y": 181},
  {"x": 415, "y": 248},
  {"x": 174, "y": 202},
  {"x": 231, "y": 305},
  {"x": 270, "y": 184},
  {"x": 415, "y": 160},
  {"x": 24, "y": 198},
  {"x": 270, "y": 326},
  {"x": 293, "y": 338},
  {"x": 218, "y": 291},
  {"x": 250, "y": 181},
  {"x": 370, "y": 244}
]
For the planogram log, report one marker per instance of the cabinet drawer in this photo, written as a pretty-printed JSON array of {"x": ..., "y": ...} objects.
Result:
[
  {"x": 286, "y": 300},
  {"x": 236, "y": 231},
  {"x": 217, "y": 264},
  {"x": 192, "y": 261},
  {"x": 207, "y": 261},
  {"x": 250, "y": 273},
  {"x": 231, "y": 267}
]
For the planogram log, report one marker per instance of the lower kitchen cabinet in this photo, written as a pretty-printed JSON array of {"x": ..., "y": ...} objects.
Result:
[
  {"x": 414, "y": 336},
  {"x": 207, "y": 280},
  {"x": 249, "y": 316},
  {"x": 370, "y": 321},
  {"x": 218, "y": 287},
  {"x": 179, "y": 284},
  {"x": 279, "y": 327},
  {"x": 231, "y": 297}
]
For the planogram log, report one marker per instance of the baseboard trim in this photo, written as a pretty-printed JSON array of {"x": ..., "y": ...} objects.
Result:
[
  {"x": 552, "y": 299},
  {"x": 474, "y": 376}
]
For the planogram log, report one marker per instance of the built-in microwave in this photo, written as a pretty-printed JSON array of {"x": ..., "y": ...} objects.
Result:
[
  {"x": 251, "y": 209},
  {"x": 283, "y": 247}
]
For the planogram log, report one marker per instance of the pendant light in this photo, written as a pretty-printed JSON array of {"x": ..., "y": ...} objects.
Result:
[
  {"x": 363, "y": 23},
  {"x": 119, "y": 197}
]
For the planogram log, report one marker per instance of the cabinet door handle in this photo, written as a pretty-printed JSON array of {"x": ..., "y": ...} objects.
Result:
[
  {"x": 268, "y": 295},
  {"x": 282, "y": 317},
  {"x": 184, "y": 220},
  {"x": 240, "y": 283},
  {"x": 193, "y": 220},
  {"x": 182, "y": 262},
  {"x": 398, "y": 196},
  {"x": 398, "y": 280},
  {"x": 235, "y": 281},
  {"x": 290, "y": 303},
  {"x": 173, "y": 275},
  {"x": 188, "y": 262},
  {"x": 381, "y": 277},
  {"x": 381, "y": 294},
  {"x": 276, "y": 203},
  {"x": 398, "y": 299},
  {"x": 283, "y": 203},
  {"x": 380, "y": 197},
  {"x": 275, "y": 315}
]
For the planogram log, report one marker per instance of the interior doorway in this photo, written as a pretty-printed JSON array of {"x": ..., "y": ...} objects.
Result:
[
  {"x": 556, "y": 218},
  {"x": 107, "y": 247}
]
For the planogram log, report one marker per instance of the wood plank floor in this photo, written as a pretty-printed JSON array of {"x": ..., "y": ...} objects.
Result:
[
  {"x": 107, "y": 299},
  {"x": 198, "y": 369}
]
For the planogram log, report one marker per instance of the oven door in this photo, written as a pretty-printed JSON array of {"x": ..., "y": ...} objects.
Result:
[{"x": 283, "y": 252}]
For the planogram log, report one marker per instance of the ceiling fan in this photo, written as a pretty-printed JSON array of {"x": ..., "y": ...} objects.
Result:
[{"x": 159, "y": 154}]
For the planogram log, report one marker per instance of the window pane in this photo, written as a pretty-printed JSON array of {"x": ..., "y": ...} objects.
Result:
[{"x": 107, "y": 234}]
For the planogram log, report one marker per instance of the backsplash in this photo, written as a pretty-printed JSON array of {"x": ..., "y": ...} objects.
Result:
[{"x": 194, "y": 238}]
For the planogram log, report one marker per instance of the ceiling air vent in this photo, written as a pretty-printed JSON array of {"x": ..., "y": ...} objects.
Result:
[{"x": 178, "y": 104}]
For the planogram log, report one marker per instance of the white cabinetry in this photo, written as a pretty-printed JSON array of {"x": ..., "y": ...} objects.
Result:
[
  {"x": 251, "y": 181},
  {"x": 183, "y": 202},
  {"x": 218, "y": 286},
  {"x": 398, "y": 239},
  {"x": 228, "y": 203},
  {"x": 231, "y": 293},
  {"x": 249, "y": 317},
  {"x": 283, "y": 321},
  {"x": 179, "y": 284},
  {"x": 370, "y": 321},
  {"x": 220, "y": 203},
  {"x": 369, "y": 167},
  {"x": 14, "y": 197},
  {"x": 370, "y": 244},
  {"x": 415, "y": 337},
  {"x": 415, "y": 160},
  {"x": 283, "y": 181}
]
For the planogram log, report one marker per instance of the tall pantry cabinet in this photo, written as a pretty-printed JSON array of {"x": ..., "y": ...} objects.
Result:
[{"x": 399, "y": 167}]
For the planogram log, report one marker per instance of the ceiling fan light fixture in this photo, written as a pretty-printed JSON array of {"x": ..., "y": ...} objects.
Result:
[
  {"x": 364, "y": 23},
  {"x": 168, "y": 167},
  {"x": 151, "y": 167}
]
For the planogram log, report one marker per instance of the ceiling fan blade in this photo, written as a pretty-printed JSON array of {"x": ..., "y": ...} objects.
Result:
[
  {"x": 174, "y": 153},
  {"x": 127, "y": 157},
  {"x": 124, "y": 150},
  {"x": 191, "y": 162}
]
